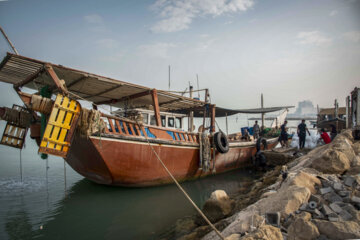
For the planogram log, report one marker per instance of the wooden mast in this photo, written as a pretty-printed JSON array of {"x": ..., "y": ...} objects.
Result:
[{"x": 156, "y": 107}]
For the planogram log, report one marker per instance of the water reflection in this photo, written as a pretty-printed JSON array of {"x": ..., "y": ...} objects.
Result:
[
  {"x": 18, "y": 226},
  {"x": 93, "y": 211}
]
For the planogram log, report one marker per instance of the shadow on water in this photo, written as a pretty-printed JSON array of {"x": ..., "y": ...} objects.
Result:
[{"x": 93, "y": 211}]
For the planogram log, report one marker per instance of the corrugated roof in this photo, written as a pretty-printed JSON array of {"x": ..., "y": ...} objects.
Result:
[{"x": 94, "y": 88}]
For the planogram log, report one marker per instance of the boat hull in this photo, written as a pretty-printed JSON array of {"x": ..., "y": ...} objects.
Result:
[{"x": 132, "y": 163}]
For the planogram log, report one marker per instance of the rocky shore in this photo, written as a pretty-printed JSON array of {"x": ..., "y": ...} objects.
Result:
[{"x": 313, "y": 196}]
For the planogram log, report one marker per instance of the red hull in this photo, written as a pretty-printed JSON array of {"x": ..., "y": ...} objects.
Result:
[{"x": 121, "y": 162}]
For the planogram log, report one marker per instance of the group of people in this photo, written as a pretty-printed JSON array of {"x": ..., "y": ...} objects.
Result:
[{"x": 301, "y": 131}]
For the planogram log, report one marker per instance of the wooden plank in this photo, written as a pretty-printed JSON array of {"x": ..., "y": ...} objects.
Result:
[
  {"x": 125, "y": 127},
  {"x": 111, "y": 125},
  {"x": 137, "y": 130},
  {"x": 130, "y": 97},
  {"x": 143, "y": 130},
  {"x": 156, "y": 107},
  {"x": 29, "y": 78},
  {"x": 118, "y": 126},
  {"x": 56, "y": 79}
]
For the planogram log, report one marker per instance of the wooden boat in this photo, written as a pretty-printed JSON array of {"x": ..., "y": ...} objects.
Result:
[{"x": 118, "y": 150}]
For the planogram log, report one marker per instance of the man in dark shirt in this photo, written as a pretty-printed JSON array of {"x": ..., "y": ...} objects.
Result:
[
  {"x": 284, "y": 135},
  {"x": 301, "y": 131}
]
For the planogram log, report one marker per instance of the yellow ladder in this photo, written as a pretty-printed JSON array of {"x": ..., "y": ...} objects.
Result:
[{"x": 60, "y": 127}]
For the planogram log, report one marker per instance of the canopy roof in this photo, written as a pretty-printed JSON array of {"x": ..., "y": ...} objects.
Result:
[
  {"x": 16, "y": 69},
  {"x": 222, "y": 112},
  {"x": 97, "y": 89}
]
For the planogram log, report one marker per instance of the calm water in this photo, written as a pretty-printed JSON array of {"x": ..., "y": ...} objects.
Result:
[{"x": 40, "y": 208}]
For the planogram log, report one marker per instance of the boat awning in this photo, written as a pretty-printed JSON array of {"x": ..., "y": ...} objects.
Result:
[
  {"x": 16, "y": 69},
  {"x": 222, "y": 112}
]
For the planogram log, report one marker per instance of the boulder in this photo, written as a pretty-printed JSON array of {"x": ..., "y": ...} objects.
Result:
[
  {"x": 219, "y": 195},
  {"x": 285, "y": 201},
  {"x": 234, "y": 236},
  {"x": 275, "y": 158},
  {"x": 343, "y": 145},
  {"x": 303, "y": 179},
  {"x": 265, "y": 232},
  {"x": 356, "y": 147},
  {"x": 338, "y": 230},
  {"x": 355, "y": 165},
  {"x": 348, "y": 134},
  {"x": 331, "y": 161},
  {"x": 215, "y": 210},
  {"x": 302, "y": 229}
]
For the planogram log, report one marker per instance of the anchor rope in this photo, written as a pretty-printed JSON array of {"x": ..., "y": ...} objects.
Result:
[
  {"x": 182, "y": 190},
  {"x": 21, "y": 175}
]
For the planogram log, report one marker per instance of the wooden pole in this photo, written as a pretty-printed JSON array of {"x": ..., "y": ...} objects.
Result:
[
  {"x": 197, "y": 81},
  {"x": 169, "y": 78},
  {"x": 191, "y": 114},
  {"x": 227, "y": 132},
  {"x": 262, "y": 114},
  {"x": 8, "y": 40},
  {"x": 156, "y": 107},
  {"x": 212, "y": 111},
  {"x": 347, "y": 101},
  {"x": 205, "y": 100}
]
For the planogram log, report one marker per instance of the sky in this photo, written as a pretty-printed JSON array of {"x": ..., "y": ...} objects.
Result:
[{"x": 288, "y": 50}]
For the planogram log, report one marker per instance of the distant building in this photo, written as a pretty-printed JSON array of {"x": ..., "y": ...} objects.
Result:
[{"x": 305, "y": 108}]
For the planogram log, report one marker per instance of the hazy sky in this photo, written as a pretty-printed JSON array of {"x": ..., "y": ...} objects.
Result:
[{"x": 288, "y": 50}]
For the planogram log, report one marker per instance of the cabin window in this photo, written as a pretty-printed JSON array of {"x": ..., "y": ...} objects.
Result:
[
  {"x": 171, "y": 122},
  {"x": 177, "y": 122},
  {"x": 163, "y": 121},
  {"x": 145, "y": 118},
  {"x": 152, "y": 120}
]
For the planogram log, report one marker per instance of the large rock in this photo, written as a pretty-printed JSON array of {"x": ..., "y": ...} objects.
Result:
[
  {"x": 356, "y": 147},
  {"x": 338, "y": 230},
  {"x": 219, "y": 195},
  {"x": 285, "y": 201},
  {"x": 217, "y": 207},
  {"x": 275, "y": 158},
  {"x": 265, "y": 232},
  {"x": 348, "y": 134},
  {"x": 331, "y": 161},
  {"x": 355, "y": 166},
  {"x": 302, "y": 229},
  {"x": 343, "y": 145},
  {"x": 303, "y": 179}
]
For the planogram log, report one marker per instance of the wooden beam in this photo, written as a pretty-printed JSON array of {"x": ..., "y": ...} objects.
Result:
[
  {"x": 59, "y": 83},
  {"x": 212, "y": 111},
  {"x": 105, "y": 91},
  {"x": 76, "y": 81},
  {"x": 136, "y": 95},
  {"x": 156, "y": 107},
  {"x": 29, "y": 78}
]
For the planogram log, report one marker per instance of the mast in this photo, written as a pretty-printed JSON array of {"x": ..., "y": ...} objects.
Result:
[
  {"x": 262, "y": 114},
  {"x": 8, "y": 40}
]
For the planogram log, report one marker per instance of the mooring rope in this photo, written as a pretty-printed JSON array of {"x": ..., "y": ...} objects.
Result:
[
  {"x": 182, "y": 190},
  {"x": 21, "y": 174},
  {"x": 65, "y": 177}
]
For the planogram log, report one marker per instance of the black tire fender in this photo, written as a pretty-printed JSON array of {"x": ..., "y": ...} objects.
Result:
[
  {"x": 259, "y": 142},
  {"x": 221, "y": 142}
]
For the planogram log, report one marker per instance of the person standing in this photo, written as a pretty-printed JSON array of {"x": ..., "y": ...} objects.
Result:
[
  {"x": 301, "y": 131},
  {"x": 256, "y": 130},
  {"x": 284, "y": 135}
]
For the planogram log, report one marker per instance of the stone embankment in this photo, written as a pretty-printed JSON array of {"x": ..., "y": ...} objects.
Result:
[{"x": 315, "y": 196}]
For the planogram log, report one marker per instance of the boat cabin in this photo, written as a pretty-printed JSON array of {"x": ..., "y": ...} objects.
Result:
[{"x": 168, "y": 119}]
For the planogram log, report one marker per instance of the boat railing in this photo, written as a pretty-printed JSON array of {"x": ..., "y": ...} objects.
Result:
[{"x": 127, "y": 127}]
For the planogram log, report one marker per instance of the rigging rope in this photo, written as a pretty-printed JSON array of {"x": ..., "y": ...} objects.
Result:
[
  {"x": 21, "y": 174},
  {"x": 182, "y": 190}
]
